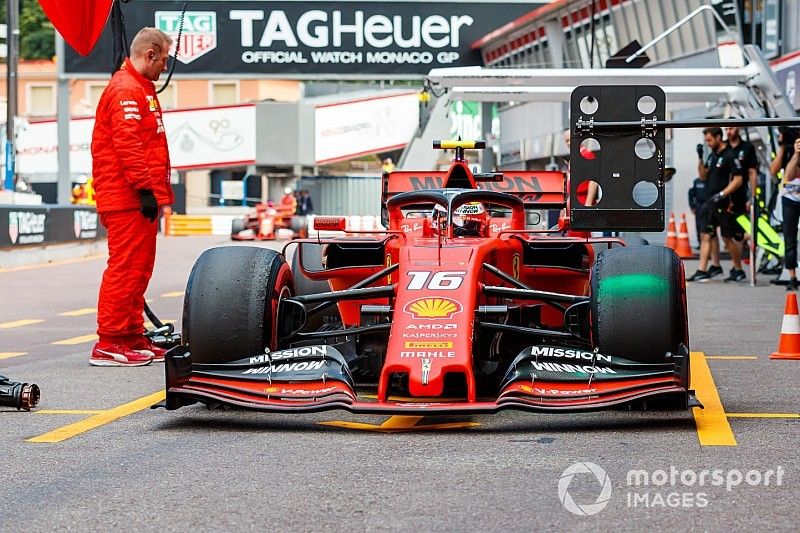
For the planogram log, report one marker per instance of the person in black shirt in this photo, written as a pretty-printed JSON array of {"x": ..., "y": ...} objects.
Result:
[
  {"x": 304, "y": 204},
  {"x": 723, "y": 175},
  {"x": 697, "y": 197},
  {"x": 786, "y": 138},
  {"x": 746, "y": 153}
]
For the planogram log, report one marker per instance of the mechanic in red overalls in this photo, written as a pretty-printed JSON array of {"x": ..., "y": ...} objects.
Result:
[{"x": 131, "y": 172}]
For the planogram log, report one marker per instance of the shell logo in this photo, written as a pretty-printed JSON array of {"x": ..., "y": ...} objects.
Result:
[
  {"x": 432, "y": 308},
  {"x": 526, "y": 388},
  {"x": 270, "y": 390}
]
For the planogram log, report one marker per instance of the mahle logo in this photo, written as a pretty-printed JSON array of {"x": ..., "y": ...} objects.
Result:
[{"x": 199, "y": 35}]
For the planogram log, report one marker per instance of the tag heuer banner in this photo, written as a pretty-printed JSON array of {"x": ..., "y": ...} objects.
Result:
[{"x": 293, "y": 39}]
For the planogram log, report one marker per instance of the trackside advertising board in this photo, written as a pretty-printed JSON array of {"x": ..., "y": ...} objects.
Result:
[
  {"x": 307, "y": 39},
  {"x": 22, "y": 225},
  {"x": 349, "y": 129},
  {"x": 198, "y": 138}
]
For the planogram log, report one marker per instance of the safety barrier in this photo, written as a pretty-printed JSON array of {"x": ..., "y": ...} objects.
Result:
[
  {"x": 179, "y": 225},
  {"x": 43, "y": 225}
]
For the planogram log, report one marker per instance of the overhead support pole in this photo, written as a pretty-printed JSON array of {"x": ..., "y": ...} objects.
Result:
[
  {"x": 12, "y": 63},
  {"x": 64, "y": 180},
  {"x": 570, "y": 77},
  {"x": 645, "y": 125},
  {"x": 687, "y": 94}
]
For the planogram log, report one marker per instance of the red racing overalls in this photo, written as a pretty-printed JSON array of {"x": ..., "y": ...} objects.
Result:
[{"x": 129, "y": 154}]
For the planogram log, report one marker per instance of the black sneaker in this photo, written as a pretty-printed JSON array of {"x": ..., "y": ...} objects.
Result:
[
  {"x": 792, "y": 286},
  {"x": 736, "y": 275},
  {"x": 714, "y": 271},
  {"x": 700, "y": 275}
]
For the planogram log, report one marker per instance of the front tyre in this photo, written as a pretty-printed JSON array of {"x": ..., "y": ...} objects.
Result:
[
  {"x": 231, "y": 301},
  {"x": 638, "y": 303}
]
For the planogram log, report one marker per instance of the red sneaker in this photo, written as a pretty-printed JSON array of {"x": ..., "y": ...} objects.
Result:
[
  {"x": 145, "y": 345},
  {"x": 118, "y": 355}
]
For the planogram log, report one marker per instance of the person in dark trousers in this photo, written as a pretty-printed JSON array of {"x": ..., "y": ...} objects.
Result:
[
  {"x": 695, "y": 204},
  {"x": 697, "y": 197},
  {"x": 131, "y": 170},
  {"x": 304, "y": 205},
  {"x": 790, "y": 200},
  {"x": 726, "y": 200},
  {"x": 746, "y": 153}
]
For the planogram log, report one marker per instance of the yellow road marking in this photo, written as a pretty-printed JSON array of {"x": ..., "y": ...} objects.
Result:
[
  {"x": 407, "y": 399},
  {"x": 712, "y": 424},
  {"x": 80, "y": 312},
  {"x": 401, "y": 422},
  {"x": 54, "y": 263},
  {"x": 398, "y": 423},
  {"x": 68, "y": 411},
  {"x": 20, "y": 323},
  {"x": 9, "y": 355},
  {"x": 76, "y": 340},
  {"x": 763, "y": 415},
  {"x": 99, "y": 419},
  {"x": 173, "y": 294},
  {"x": 731, "y": 357}
]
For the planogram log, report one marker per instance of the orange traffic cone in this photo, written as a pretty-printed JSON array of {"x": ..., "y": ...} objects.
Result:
[
  {"x": 789, "y": 343},
  {"x": 672, "y": 237},
  {"x": 684, "y": 249}
]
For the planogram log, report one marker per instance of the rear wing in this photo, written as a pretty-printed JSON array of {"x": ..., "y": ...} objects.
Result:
[{"x": 537, "y": 189}]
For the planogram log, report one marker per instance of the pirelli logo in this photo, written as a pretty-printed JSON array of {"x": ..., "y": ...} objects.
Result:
[{"x": 412, "y": 344}]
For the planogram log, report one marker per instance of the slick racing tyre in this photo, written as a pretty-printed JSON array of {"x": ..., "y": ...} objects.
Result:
[
  {"x": 638, "y": 303},
  {"x": 231, "y": 301},
  {"x": 312, "y": 259}
]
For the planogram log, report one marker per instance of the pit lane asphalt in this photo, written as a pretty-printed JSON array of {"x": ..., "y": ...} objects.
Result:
[{"x": 216, "y": 470}]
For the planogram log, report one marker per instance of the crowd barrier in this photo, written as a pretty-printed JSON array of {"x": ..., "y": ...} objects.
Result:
[{"x": 25, "y": 226}]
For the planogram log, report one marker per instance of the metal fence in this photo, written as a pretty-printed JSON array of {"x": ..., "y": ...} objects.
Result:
[{"x": 344, "y": 195}]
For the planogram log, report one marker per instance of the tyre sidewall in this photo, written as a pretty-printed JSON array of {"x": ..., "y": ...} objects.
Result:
[
  {"x": 231, "y": 302},
  {"x": 637, "y": 322}
]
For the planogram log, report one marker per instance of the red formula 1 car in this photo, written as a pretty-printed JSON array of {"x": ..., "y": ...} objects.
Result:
[
  {"x": 458, "y": 307},
  {"x": 267, "y": 223}
]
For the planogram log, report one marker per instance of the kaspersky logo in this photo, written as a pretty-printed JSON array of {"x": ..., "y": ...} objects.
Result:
[
  {"x": 432, "y": 308},
  {"x": 199, "y": 35}
]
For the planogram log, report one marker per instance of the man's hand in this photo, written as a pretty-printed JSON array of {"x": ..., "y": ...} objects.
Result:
[
  {"x": 718, "y": 197},
  {"x": 149, "y": 206},
  {"x": 700, "y": 151}
]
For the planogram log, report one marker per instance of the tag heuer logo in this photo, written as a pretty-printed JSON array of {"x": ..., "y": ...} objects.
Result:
[{"x": 199, "y": 35}]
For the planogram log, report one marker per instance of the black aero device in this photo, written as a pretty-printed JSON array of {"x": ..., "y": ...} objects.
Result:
[
  {"x": 617, "y": 174},
  {"x": 18, "y": 395}
]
